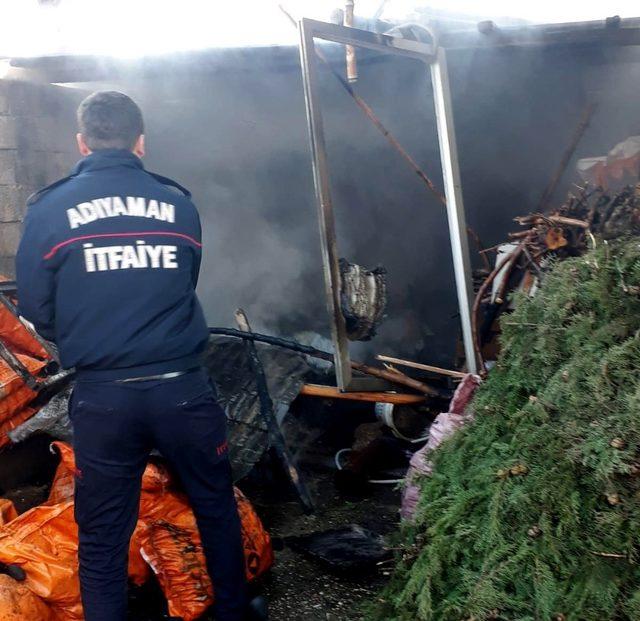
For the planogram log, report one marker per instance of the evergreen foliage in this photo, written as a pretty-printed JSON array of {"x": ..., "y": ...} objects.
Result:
[{"x": 533, "y": 511}]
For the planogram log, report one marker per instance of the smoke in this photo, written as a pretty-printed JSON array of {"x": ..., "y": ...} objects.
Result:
[
  {"x": 147, "y": 27},
  {"x": 238, "y": 139},
  {"x": 231, "y": 126}
]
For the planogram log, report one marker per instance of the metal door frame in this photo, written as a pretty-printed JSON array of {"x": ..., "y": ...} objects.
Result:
[{"x": 435, "y": 58}]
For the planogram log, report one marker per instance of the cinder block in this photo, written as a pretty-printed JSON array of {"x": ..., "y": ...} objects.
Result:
[
  {"x": 9, "y": 138},
  {"x": 59, "y": 164},
  {"x": 47, "y": 132},
  {"x": 8, "y": 167},
  {"x": 31, "y": 167},
  {"x": 10, "y": 233},
  {"x": 13, "y": 202},
  {"x": 8, "y": 267},
  {"x": 16, "y": 97},
  {"x": 5, "y": 105},
  {"x": 35, "y": 169},
  {"x": 29, "y": 99}
]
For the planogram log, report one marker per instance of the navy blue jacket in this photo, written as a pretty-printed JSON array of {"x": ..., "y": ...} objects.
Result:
[{"x": 107, "y": 269}]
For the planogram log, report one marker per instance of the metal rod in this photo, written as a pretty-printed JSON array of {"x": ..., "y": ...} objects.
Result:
[
  {"x": 322, "y": 185},
  {"x": 266, "y": 409},
  {"x": 8, "y": 286},
  {"x": 396, "y": 377},
  {"x": 455, "y": 205},
  {"x": 367, "y": 39},
  {"x": 448, "y": 154},
  {"x": 17, "y": 367},
  {"x": 373, "y": 117}
]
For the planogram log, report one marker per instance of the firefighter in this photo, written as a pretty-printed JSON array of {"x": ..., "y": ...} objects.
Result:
[{"x": 107, "y": 269}]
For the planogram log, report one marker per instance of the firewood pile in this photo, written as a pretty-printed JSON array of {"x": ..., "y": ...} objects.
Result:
[{"x": 588, "y": 215}]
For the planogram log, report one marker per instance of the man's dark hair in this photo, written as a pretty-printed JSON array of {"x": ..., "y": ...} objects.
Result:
[{"x": 110, "y": 120}]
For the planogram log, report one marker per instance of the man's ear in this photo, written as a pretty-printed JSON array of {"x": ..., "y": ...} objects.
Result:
[
  {"x": 138, "y": 148},
  {"x": 82, "y": 145}
]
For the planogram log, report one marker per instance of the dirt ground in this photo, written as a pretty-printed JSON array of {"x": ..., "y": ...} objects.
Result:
[{"x": 300, "y": 589}]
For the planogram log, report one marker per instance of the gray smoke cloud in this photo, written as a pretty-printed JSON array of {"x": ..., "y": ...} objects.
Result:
[{"x": 232, "y": 128}]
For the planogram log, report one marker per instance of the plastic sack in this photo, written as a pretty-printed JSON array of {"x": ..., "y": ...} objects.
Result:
[
  {"x": 442, "y": 428},
  {"x": 11, "y": 383},
  {"x": 63, "y": 484},
  {"x": 15, "y": 396},
  {"x": 44, "y": 543},
  {"x": 154, "y": 480},
  {"x": 171, "y": 545},
  {"x": 18, "y": 603},
  {"x": 7, "y": 513},
  {"x": 16, "y": 336},
  {"x": 16, "y": 419},
  {"x": 52, "y": 419},
  {"x": 62, "y": 490},
  {"x": 166, "y": 538}
]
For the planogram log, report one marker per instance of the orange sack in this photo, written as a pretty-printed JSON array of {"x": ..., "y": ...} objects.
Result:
[
  {"x": 170, "y": 543},
  {"x": 44, "y": 543},
  {"x": 18, "y": 603},
  {"x": 14, "y": 334},
  {"x": 7, "y": 513},
  {"x": 167, "y": 539},
  {"x": 11, "y": 384},
  {"x": 15, "y": 395}
]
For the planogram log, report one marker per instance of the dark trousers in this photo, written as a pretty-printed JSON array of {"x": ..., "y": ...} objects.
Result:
[{"x": 116, "y": 425}]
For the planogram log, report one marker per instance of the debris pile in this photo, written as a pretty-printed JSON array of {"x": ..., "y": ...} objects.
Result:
[
  {"x": 531, "y": 510},
  {"x": 587, "y": 214}
]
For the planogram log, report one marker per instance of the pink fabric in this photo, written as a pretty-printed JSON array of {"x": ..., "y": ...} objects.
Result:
[{"x": 442, "y": 428}]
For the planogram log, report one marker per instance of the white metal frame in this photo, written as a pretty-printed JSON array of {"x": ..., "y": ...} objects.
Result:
[{"x": 435, "y": 57}]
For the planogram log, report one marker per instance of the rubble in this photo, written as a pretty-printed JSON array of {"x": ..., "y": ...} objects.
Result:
[{"x": 571, "y": 230}]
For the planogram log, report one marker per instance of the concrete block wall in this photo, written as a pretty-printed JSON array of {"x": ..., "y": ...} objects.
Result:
[{"x": 37, "y": 146}]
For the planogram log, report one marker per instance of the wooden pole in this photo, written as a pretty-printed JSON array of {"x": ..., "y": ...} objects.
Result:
[
  {"x": 421, "y": 367},
  {"x": 585, "y": 119},
  {"x": 331, "y": 392},
  {"x": 352, "y": 64}
]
